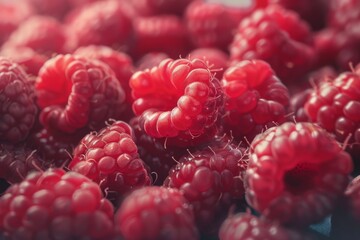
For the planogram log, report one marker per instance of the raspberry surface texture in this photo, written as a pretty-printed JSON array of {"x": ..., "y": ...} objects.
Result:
[
  {"x": 55, "y": 205},
  {"x": 76, "y": 93},
  {"x": 156, "y": 213},
  {"x": 296, "y": 173},
  {"x": 17, "y": 102},
  {"x": 179, "y": 99}
]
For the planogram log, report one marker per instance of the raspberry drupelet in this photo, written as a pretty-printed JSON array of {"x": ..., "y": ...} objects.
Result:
[
  {"x": 296, "y": 173},
  {"x": 75, "y": 93},
  {"x": 156, "y": 213},
  {"x": 179, "y": 100},
  {"x": 55, "y": 205},
  {"x": 255, "y": 99}
]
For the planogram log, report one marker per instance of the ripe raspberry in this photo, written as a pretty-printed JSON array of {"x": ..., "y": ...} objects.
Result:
[
  {"x": 346, "y": 218},
  {"x": 211, "y": 180},
  {"x": 16, "y": 162},
  {"x": 155, "y": 153},
  {"x": 156, "y": 213},
  {"x": 335, "y": 106},
  {"x": 296, "y": 173},
  {"x": 12, "y": 14},
  {"x": 244, "y": 226},
  {"x": 99, "y": 23},
  {"x": 119, "y": 62},
  {"x": 75, "y": 93},
  {"x": 216, "y": 59},
  {"x": 164, "y": 33},
  {"x": 110, "y": 158},
  {"x": 179, "y": 99},
  {"x": 17, "y": 104},
  {"x": 43, "y": 34},
  {"x": 277, "y": 36},
  {"x": 158, "y": 7},
  {"x": 343, "y": 13},
  {"x": 254, "y": 98},
  {"x": 210, "y": 25},
  {"x": 26, "y": 57},
  {"x": 150, "y": 60},
  {"x": 55, "y": 205}
]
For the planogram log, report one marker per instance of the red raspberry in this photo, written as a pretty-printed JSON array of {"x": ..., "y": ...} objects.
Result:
[
  {"x": 17, "y": 103},
  {"x": 43, "y": 34},
  {"x": 55, "y": 205},
  {"x": 296, "y": 173},
  {"x": 28, "y": 58},
  {"x": 110, "y": 158},
  {"x": 150, "y": 60},
  {"x": 12, "y": 14},
  {"x": 156, "y": 213},
  {"x": 210, "y": 24},
  {"x": 335, "y": 106},
  {"x": 343, "y": 13},
  {"x": 119, "y": 62},
  {"x": 254, "y": 98},
  {"x": 244, "y": 226},
  {"x": 211, "y": 180},
  {"x": 179, "y": 99},
  {"x": 158, "y": 7},
  {"x": 164, "y": 33},
  {"x": 75, "y": 93},
  {"x": 346, "y": 218},
  {"x": 16, "y": 162},
  {"x": 155, "y": 153},
  {"x": 100, "y": 23},
  {"x": 277, "y": 36},
  {"x": 216, "y": 59}
]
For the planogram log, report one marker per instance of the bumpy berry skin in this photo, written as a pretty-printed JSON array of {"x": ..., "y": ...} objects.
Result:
[
  {"x": 277, "y": 36},
  {"x": 211, "y": 180},
  {"x": 178, "y": 99},
  {"x": 210, "y": 24},
  {"x": 163, "y": 33},
  {"x": 335, "y": 106},
  {"x": 99, "y": 23},
  {"x": 43, "y": 34},
  {"x": 156, "y": 213},
  {"x": 17, "y": 104},
  {"x": 255, "y": 98},
  {"x": 16, "y": 162},
  {"x": 244, "y": 226},
  {"x": 296, "y": 173},
  {"x": 55, "y": 205},
  {"x": 158, "y": 7},
  {"x": 75, "y": 93},
  {"x": 110, "y": 158}
]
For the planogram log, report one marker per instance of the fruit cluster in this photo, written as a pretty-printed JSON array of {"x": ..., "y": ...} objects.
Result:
[{"x": 173, "y": 120}]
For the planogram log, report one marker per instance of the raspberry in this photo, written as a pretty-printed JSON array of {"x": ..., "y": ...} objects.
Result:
[
  {"x": 211, "y": 181},
  {"x": 110, "y": 158},
  {"x": 155, "y": 153},
  {"x": 100, "y": 23},
  {"x": 119, "y": 62},
  {"x": 346, "y": 218},
  {"x": 243, "y": 226},
  {"x": 335, "y": 106},
  {"x": 12, "y": 14},
  {"x": 158, "y": 7},
  {"x": 179, "y": 99},
  {"x": 150, "y": 60},
  {"x": 343, "y": 13},
  {"x": 16, "y": 162},
  {"x": 29, "y": 59},
  {"x": 210, "y": 25},
  {"x": 254, "y": 98},
  {"x": 43, "y": 34},
  {"x": 164, "y": 33},
  {"x": 277, "y": 36},
  {"x": 296, "y": 173},
  {"x": 75, "y": 93},
  {"x": 216, "y": 59},
  {"x": 17, "y": 104},
  {"x": 156, "y": 213},
  {"x": 55, "y": 205}
]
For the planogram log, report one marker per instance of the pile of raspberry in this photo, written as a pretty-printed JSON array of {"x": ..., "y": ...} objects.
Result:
[{"x": 173, "y": 120}]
